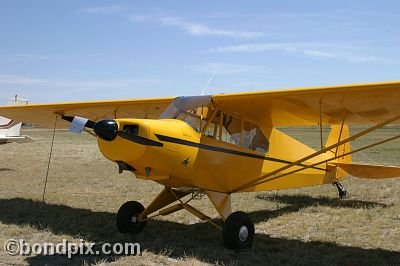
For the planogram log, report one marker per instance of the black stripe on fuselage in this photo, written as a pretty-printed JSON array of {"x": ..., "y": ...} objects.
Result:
[{"x": 224, "y": 150}]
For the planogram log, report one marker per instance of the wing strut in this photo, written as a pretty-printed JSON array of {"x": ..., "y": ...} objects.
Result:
[
  {"x": 262, "y": 179},
  {"x": 49, "y": 161},
  {"x": 340, "y": 134},
  {"x": 320, "y": 123}
]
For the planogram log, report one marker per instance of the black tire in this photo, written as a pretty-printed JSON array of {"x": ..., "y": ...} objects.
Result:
[
  {"x": 126, "y": 218},
  {"x": 238, "y": 231}
]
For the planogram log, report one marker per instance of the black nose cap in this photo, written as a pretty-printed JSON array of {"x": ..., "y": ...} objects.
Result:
[{"x": 106, "y": 129}]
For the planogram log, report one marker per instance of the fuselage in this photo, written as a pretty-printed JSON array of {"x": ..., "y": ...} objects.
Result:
[{"x": 187, "y": 158}]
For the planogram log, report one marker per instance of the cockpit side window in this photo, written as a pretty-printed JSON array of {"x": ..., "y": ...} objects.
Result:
[
  {"x": 253, "y": 138},
  {"x": 212, "y": 129},
  {"x": 231, "y": 129}
]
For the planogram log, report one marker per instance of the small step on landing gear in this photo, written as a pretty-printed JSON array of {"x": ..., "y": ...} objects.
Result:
[
  {"x": 342, "y": 191},
  {"x": 238, "y": 231}
]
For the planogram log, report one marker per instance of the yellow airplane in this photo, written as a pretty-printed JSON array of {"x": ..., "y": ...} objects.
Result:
[{"x": 221, "y": 144}]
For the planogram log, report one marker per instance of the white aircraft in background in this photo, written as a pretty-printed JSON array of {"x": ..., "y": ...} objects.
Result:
[{"x": 10, "y": 130}]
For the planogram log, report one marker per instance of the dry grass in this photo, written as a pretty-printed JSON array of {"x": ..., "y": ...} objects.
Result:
[{"x": 298, "y": 226}]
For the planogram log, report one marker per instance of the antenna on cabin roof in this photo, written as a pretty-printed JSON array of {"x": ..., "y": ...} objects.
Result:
[
  {"x": 252, "y": 81},
  {"x": 208, "y": 83}
]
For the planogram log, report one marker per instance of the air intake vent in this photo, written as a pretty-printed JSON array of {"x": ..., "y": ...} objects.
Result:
[{"x": 132, "y": 129}]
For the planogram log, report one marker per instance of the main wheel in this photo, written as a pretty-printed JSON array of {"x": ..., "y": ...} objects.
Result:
[
  {"x": 238, "y": 231},
  {"x": 127, "y": 217}
]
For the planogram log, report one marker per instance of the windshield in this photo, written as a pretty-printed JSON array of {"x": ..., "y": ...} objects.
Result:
[
  {"x": 185, "y": 104},
  {"x": 193, "y": 110}
]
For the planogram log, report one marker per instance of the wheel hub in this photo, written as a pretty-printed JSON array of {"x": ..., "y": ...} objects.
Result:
[{"x": 243, "y": 233}]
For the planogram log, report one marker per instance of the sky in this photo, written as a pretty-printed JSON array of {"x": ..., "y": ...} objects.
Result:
[{"x": 55, "y": 51}]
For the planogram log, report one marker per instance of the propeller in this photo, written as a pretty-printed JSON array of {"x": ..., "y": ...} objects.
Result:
[
  {"x": 108, "y": 130},
  {"x": 88, "y": 124}
]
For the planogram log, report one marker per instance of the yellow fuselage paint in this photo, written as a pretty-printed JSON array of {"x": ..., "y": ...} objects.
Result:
[{"x": 190, "y": 159}]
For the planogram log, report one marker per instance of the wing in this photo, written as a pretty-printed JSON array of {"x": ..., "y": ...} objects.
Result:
[
  {"x": 44, "y": 114},
  {"x": 357, "y": 104}
]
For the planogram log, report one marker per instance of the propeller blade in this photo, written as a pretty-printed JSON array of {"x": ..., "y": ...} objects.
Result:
[
  {"x": 139, "y": 139},
  {"x": 89, "y": 123}
]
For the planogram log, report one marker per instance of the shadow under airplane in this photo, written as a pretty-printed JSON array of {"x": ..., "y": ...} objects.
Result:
[{"x": 200, "y": 240}]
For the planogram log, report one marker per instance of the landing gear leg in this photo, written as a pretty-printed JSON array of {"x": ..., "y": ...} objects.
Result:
[{"x": 342, "y": 191}]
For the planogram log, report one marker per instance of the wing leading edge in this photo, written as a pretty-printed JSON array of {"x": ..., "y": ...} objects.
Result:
[{"x": 44, "y": 114}]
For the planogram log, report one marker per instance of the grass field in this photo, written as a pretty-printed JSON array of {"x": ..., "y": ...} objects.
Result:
[{"x": 297, "y": 226}]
